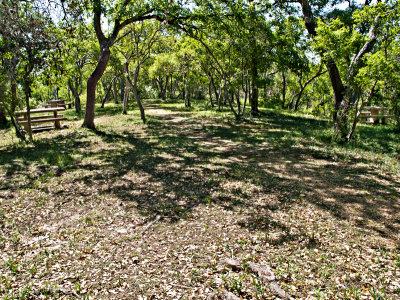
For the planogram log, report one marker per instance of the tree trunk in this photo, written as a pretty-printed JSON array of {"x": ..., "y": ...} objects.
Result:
[
  {"x": 3, "y": 119},
  {"x": 210, "y": 95},
  {"x": 254, "y": 88},
  {"x": 162, "y": 88},
  {"x": 246, "y": 92},
  {"x": 171, "y": 95},
  {"x": 76, "y": 96},
  {"x": 135, "y": 93},
  {"x": 217, "y": 95},
  {"x": 28, "y": 107},
  {"x": 175, "y": 87},
  {"x": 283, "y": 90},
  {"x": 14, "y": 96},
  {"x": 189, "y": 98},
  {"x": 91, "y": 87},
  {"x": 166, "y": 85},
  {"x": 122, "y": 89},
  {"x": 126, "y": 97},
  {"x": 227, "y": 98},
  {"x": 238, "y": 102},
  {"x": 297, "y": 102},
  {"x": 115, "y": 92},
  {"x": 107, "y": 90},
  {"x": 358, "y": 111},
  {"x": 343, "y": 95},
  {"x": 199, "y": 94},
  {"x": 303, "y": 87},
  {"x": 186, "y": 92},
  {"x": 134, "y": 86}
]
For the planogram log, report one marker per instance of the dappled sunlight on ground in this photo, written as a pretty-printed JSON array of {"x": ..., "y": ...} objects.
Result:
[{"x": 76, "y": 203}]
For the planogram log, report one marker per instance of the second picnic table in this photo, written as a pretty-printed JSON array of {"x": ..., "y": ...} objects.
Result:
[
  {"x": 372, "y": 114},
  {"x": 58, "y": 103}
]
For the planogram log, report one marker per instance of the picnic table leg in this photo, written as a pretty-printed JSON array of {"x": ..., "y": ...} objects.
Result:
[
  {"x": 373, "y": 114},
  {"x": 57, "y": 124},
  {"x": 26, "y": 127}
]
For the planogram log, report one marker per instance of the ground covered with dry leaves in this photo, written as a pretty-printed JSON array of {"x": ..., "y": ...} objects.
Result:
[{"x": 133, "y": 211}]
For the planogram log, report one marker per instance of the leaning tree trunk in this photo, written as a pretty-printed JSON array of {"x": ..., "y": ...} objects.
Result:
[
  {"x": 107, "y": 90},
  {"x": 14, "y": 96},
  {"x": 91, "y": 87},
  {"x": 134, "y": 87},
  {"x": 343, "y": 96},
  {"x": 28, "y": 108},
  {"x": 298, "y": 98},
  {"x": 357, "y": 111},
  {"x": 303, "y": 87},
  {"x": 227, "y": 98},
  {"x": 135, "y": 93}
]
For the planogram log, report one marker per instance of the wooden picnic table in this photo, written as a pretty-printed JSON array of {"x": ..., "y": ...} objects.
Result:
[
  {"x": 49, "y": 114},
  {"x": 372, "y": 114},
  {"x": 58, "y": 103}
]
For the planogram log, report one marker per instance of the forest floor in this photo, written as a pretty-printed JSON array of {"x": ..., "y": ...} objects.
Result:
[{"x": 133, "y": 211}]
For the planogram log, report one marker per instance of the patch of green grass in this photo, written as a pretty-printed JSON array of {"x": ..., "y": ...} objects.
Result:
[
  {"x": 13, "y": 265},
  {"x": 234, "y": 284}
]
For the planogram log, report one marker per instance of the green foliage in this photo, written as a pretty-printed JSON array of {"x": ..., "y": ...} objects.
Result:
[
  {"x": 164, "y": 64},
  {"x": 229, "y": 51}
]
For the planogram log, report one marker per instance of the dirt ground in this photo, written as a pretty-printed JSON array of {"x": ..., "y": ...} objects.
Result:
[{"x": 135, "y": 211}]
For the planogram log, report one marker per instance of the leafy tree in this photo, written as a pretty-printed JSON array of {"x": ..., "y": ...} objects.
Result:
[
  {"x": 30, "y": 39},
  {"x": 77, "y": 57},
  {"x": 164, "y": 65},
  {"x": 121, "y": 13},
  {"x": 380, "y": 74},
  {"x": 137, "y": 47},
  {"x": 343, "y": 46}
]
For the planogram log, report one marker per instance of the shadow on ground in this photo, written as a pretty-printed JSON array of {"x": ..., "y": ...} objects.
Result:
[{"x": 179, "y": 163}]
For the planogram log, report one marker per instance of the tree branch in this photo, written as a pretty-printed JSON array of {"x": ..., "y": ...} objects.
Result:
[
  {"x": 97, "y": 22},
  {"x": 372, "y": 35}
]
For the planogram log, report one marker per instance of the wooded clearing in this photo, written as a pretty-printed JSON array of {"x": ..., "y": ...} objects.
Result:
[
  {"x": 154, "y": 211},
  {"x": 208, "y": 149}
]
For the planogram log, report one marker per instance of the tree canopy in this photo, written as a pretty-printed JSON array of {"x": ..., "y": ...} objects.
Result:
[{"x": 233, "y": 53}]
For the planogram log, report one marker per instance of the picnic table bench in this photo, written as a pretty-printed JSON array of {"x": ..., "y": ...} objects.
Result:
[
  {"x": 47, "y": 115},
  {"x": 372, "y": 114}
]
